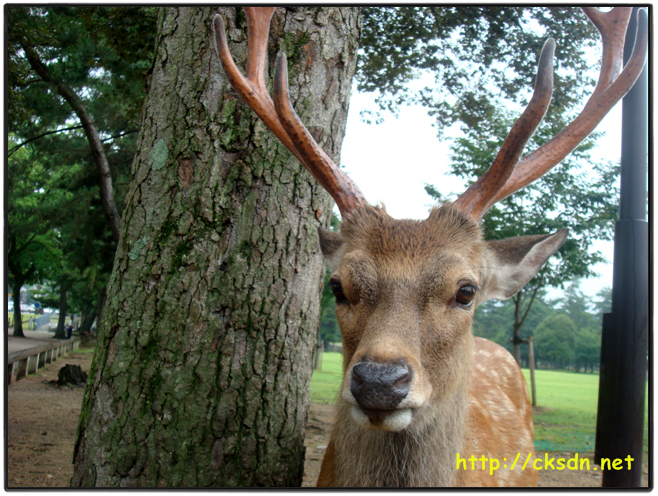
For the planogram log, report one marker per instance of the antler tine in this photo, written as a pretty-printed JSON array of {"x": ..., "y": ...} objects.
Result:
[
  {"x": 258, "y": 27},
  {"x": 335, "y": 181},
  {"x": 613, "y": 42},
  {"x": 606, "y": 95},
  {"x": 281, "y": 119},
  {"x": 252, "y": 89},
  {"x": 477, "y": 199}
]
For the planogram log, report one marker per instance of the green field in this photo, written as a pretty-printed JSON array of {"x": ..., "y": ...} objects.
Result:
[
  {"x": 565, "y": 419},
  {"x": 326, "y": 382}
]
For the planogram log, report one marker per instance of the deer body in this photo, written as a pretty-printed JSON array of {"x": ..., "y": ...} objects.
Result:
[{"x": 418, "y": 389}]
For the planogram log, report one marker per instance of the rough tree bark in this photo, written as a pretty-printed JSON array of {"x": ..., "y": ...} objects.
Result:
[{"x": 203, "y": 363}]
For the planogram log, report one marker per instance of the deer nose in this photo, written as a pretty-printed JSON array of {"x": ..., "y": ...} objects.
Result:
[{"x": 380, "y": 386}]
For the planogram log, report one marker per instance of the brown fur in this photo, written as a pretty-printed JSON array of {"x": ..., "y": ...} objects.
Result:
[{"x": 468, "y": 395}]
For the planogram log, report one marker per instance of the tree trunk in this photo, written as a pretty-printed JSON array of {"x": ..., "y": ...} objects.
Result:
[
  {"x": 88, "y": 320},
  {"x": 60, "y": 332},
  {"x": 203, "y": 363},
  {"x": 18, "y": 318},
  {"x": 520, "y": 315}
]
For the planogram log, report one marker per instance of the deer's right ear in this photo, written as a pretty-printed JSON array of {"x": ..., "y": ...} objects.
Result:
[
  {"x": 513, "y": 262},
  {"x": 332, "y": 246}
]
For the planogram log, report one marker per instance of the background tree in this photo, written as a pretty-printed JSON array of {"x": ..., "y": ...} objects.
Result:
[
  {"x": 32, "y": 245},
  {"x": 495, "y": 320},
  {"x": 97, "y": 56},
  {"x": 577, "y": 306},
  {"x": 328, "y": 332},
  {"x": 483, "y": 60},
  {"x": 53, "y": 57},
  {"x": 204, "y": 354},
  {"x": 555, "y": 340},
  {"x": 479, "y": 58}
]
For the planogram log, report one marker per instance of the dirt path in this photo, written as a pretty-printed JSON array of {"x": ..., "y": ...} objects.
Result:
[{"x": 43, "y": 417}]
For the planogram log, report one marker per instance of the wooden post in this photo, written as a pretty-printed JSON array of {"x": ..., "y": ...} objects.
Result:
[
  {"x": 531, "y": 363},
  {"x": 319, "y": 348}
]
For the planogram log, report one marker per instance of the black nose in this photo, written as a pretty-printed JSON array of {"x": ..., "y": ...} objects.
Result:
[{"x": 380, "y": 386}]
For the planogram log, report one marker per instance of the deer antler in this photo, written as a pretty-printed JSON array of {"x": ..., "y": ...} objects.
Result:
[
  {"x": 279, "y": 115},
  {"x": 476, "y": 199},
  {"x": 609, "y": 90}
]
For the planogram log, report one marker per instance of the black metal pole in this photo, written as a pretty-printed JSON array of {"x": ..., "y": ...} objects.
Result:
[{"x": 623, "y": 375}]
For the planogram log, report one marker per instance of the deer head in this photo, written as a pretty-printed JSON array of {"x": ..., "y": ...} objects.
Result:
[{"x": 406, "y": 290}]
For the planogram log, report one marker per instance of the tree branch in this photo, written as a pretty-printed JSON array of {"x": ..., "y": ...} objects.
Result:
[
  {"x": 14, "y": 148},
  {"x": 95, "y": 143}
]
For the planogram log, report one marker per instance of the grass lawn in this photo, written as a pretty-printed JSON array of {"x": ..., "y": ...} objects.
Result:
[
  {"x": 326, "y": 381},
  {"x": 564, "y": 421}
]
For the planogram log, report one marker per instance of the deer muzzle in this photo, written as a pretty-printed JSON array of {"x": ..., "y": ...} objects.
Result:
[{"x": 379, "y": 390}]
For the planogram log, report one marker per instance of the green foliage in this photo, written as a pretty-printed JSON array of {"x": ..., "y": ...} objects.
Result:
[
  {"x": 546, "y": 322},
  {"x": 554, "y": 339},
  {"x": 494, "y": 320},
  {"x": 102, "y": 54},
  {"x": 477, "y": 56}
]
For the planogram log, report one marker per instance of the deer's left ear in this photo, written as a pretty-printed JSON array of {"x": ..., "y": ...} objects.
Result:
[{"x": 511, "y": 263}]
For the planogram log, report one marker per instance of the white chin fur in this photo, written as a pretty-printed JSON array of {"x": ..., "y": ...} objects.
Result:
[{"x": 396, "y": 421}]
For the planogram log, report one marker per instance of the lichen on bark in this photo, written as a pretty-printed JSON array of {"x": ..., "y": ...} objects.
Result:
[{"x": 204, "y": 355}]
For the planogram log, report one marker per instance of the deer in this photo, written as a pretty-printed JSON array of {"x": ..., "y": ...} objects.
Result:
[{"x": 422, "y": 401}]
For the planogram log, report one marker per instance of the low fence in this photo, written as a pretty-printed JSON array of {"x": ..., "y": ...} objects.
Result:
[{"x": 24, "y": 362}]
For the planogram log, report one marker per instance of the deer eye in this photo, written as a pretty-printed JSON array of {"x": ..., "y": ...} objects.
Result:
[
  {"x": 337, "y": 290},
  {"x": 465, "y": 295}
]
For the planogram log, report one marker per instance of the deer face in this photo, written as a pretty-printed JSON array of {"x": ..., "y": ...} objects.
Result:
[{"x": 405, "y": 295}]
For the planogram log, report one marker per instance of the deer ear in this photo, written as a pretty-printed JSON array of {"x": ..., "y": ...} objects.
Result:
[
  {"x": 332, "y": 246},
  {"x": 513, "y": 262}
]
